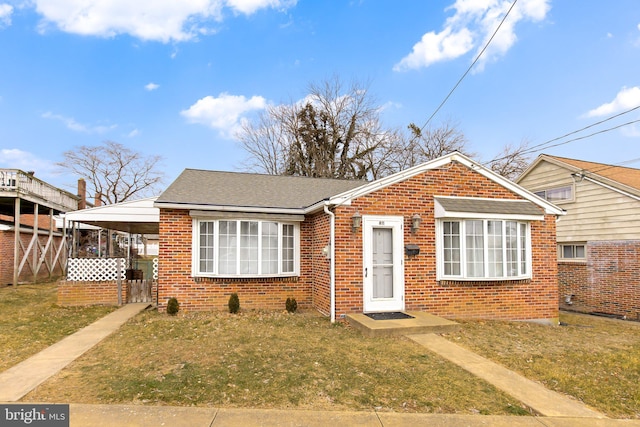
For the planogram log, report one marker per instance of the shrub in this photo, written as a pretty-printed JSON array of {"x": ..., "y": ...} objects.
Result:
[
  {"x": 173, "y": 306},
  {"x": 292, "y": 305},
  {"x": 234, "y": 303}
]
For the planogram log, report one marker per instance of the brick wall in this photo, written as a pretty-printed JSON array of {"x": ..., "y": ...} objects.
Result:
[
  {"x": 75, "y": 293},
  {"x": 320, "y": 263},
  {"x": 193, "y": 294},
  {"x": 515, "y": 300},
  {"x": 6, "y": 258},
  {"x": 609, "y": 281},
  {"x": 89, "y": 293}
]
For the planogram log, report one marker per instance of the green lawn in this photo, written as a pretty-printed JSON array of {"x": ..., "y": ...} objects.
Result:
[
  {"x": 31, "y": 321},
  {"x": 269, "y": 360},
  {"x": 594, "y": 359}
]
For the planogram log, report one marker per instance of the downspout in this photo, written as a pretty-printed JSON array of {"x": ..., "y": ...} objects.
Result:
[{"x": 332, "y": 262}]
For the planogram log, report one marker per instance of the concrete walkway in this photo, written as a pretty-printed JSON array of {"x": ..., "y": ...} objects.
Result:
[
  {"x": 540, "y": 399},
  {"x": 20, "y": 379}
]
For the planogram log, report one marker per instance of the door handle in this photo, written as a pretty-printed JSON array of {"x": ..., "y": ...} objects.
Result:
[{"x": 365, "y": 272}]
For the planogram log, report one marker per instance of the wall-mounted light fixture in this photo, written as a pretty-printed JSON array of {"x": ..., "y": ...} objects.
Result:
[
  {"x": 356, "y": 221},
  {"x": 415, "y": 222}
]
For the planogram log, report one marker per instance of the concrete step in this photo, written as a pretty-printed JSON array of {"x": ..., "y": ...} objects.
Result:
[{"x": 421, "y": 323}]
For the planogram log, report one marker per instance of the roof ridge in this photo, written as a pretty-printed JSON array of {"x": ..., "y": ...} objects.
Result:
[{"x": 274, "y": 175}]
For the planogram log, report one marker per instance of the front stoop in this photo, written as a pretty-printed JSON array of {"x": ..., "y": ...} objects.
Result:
[{"x": 422, "y": 323}]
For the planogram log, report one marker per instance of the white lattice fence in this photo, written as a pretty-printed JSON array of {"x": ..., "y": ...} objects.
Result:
[{"x": 96, "y": 269}]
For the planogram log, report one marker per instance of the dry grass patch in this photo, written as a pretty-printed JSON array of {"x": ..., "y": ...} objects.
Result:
[
  {"x": 268, "y": 360},
  {"x": 31, "y": 321},
  {"x": 594, "y": 359}
]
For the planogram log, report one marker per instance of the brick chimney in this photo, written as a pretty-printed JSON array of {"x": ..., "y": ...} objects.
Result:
[
  {"x": 82, "y": 193},
  {"x": 97, "y": 200}
]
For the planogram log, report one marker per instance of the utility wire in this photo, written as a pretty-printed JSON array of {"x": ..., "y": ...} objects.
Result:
[
  {"x": 545, "y": 145},
  {"x": 470, "y": 67},
  {"x": 605, "y": 167},
  {"x": 585, "y": 128},
  {"x": 578, "y": 138}
]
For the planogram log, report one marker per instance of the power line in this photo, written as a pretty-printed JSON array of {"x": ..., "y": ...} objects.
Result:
[
  {"x": 471, "y": 66},
  {"x": 579, "y": 138},
  {"x": 585, "y": 128},
  {"x": 605, "y": 167},
  {"x": 545, "y": 145}
]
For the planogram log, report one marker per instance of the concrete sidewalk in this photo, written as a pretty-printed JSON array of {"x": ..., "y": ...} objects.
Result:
[
  {"x": 534, "y": 395},
  {"x": 151, "y": 416},
  {"x": 20, "y": 379}
]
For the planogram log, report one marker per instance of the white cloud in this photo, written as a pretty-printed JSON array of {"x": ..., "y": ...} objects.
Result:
[
  {"x": 250, "y": 6},
  {"x": 626, "y": 99},
  {"x": 471, "y": 26},
  {"x": 164, "y": 21},
  {"x": 437, "y": 47},
  {"x": 75, "y": 126},
  {"x": 6, "y": 10},
  {"x": 151, "y": 86},
  {"x": 133, "y": 133},
  {"x": 224, "y": 113},
  {"x": 14, "y": 158}
]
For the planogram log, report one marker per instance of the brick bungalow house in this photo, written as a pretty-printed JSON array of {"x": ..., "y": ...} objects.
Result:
[
  {"x": 448, "y": 236},
  {"x": 599, "y": 238}
]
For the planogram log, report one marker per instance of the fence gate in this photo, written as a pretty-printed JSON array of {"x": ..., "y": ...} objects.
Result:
[{"x": 138, "y": 291}]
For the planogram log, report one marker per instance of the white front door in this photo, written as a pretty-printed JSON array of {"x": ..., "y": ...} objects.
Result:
[{"x": 383, "y": 275}]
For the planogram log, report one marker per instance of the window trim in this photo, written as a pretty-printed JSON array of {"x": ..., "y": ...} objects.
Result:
[
  {"x": 195, "y": 247},
  {"x": 561, "y": 257},
  {"x": 440, "y": 258},
  {"x": 544, "y": 192}
]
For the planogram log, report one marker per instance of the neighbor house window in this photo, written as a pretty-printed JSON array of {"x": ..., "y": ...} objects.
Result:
[
  {"x": 572, "y": 252},
  {"x": 245, "y": 248},
  {"x": 484, "y": 249},
  {"x": 560, "y": 194}
]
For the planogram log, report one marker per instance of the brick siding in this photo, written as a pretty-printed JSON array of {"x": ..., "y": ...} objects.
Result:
[
  {"x": 536, "y": 298},
  {"x": 195, "y": 294},
  {"x": 608, "y": 282}
]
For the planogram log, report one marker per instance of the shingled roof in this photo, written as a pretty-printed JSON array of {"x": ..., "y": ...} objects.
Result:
[{"x": 248, "y": 190}]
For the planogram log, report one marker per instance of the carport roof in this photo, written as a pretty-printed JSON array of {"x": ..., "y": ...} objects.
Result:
[{"x": 137, "y": 216}]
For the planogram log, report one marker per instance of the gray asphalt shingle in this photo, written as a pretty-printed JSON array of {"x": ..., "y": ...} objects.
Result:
[{"x": 233, "y": 189}]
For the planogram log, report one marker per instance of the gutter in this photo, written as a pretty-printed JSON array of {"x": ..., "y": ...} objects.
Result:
[{"x": 332, "y": 262}]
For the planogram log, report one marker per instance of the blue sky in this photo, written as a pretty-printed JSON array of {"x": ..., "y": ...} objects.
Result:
[{"x": 176, "y": 78}]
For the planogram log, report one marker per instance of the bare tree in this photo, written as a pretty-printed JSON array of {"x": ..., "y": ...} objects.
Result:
[
  {"x": 114, "y": 171},
  {"x": 332, "y": 133},
  {"x": 422, "y": 145},
  {"x": 512, "y": 161},
  {"x": 266, "y": 141}
]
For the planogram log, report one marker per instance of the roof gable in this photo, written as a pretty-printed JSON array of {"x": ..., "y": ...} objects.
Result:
[
  {"x": 202, "y": 189},
  {"x": 623, "y": 178},
  {"x": 346, "y": 197}
]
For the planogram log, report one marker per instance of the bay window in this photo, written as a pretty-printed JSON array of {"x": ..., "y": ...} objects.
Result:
[
  {"x": 245, "y": 248},
  {"x": 483, "y": 249}
]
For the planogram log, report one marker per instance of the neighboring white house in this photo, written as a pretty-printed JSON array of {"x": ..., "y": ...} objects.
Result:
[{"x": 599, "y": 237}]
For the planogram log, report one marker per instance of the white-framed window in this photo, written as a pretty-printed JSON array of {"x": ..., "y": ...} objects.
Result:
[
  {"x": 483, "y": 249},
  {"x": 559, "y": 194},
  {"x": 572, "y": 252},
  {"x": 245, "y": 248}
]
